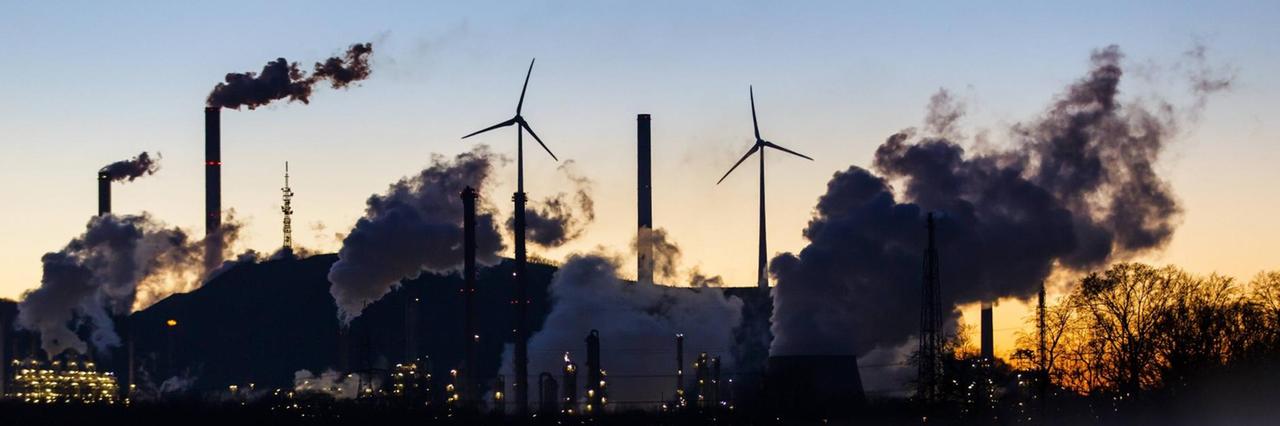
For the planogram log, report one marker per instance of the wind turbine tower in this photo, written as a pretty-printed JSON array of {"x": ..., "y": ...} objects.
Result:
[
  {"x": 762, "y": 272},
  {"x": 522, "y": 290}
]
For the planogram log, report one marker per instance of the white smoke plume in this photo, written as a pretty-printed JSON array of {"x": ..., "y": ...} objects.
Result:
[
  {"x": 330, "y": 382},
  {"x": 121, "y": 264},
  {"x": 667, "y": 260},
  {"x": 637, "y": 326},
  {"x": 415, "y": 226}
]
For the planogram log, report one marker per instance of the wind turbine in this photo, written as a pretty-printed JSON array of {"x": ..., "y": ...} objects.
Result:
[
  {"x": 522, "y": 290},
  {"x": 762, "y": 277}
]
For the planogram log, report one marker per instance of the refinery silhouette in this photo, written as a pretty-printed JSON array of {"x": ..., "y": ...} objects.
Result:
[{"x": 420, "y": 317}]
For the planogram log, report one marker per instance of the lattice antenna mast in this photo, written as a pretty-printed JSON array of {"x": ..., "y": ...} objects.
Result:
[
  {"x": 932, "y": 337},
  {"x": 287, "y": 209}
]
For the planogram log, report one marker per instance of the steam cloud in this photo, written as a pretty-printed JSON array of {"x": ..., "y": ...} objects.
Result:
[
  {"x": 281, "y": 79},
  {"x": 667, "y": 259},
  {"x": 333, "y": 383},
  {"x": 1078, "y": 189},
  {"x": 133, "y": 168},
  {"x": 637, "y": 326},
  {"x": 556, "y": 221},
  {"x": 121, "y": 264},
  {"x": 416, "y": 225}
]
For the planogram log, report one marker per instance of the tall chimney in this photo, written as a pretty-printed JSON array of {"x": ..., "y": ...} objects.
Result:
[
  {"x": 468, "y": 291},
  {"x": 644, "y": 202},
  {"x": 988, "y": 341},
  {"x": 104, "y": 193},
  {"x": 595, "y": 376},
  {"x": 212, "y": 187}
]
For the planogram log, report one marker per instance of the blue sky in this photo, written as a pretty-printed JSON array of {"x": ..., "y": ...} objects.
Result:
[{"x": 86, "y": 83}]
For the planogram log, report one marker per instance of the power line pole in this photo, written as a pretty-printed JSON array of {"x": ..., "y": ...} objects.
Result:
[
  {"x": 287, "y": 209},
  {"x": 931, "y": 335}
]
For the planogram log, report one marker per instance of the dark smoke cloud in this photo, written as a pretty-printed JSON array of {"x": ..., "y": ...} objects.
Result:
[
  {"x": 281, "y": 79},
  {"x": 697, "y": 279},
  {"x": 666, "y": 254},
  {"x": 667, "y": 259},
  {"x": 133, "y": 168},
  {"x": 121, "y": 264},
  {"x": 556, "y": 220},
  {"x": 637, "y": 325},
  {"x": 352, "y": 67},
  {"x": 1077, "y": 190},
  {"x": 416, "y": 225}
]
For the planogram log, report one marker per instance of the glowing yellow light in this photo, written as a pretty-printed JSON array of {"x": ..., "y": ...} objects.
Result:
[{"x": 171, "y": 322}]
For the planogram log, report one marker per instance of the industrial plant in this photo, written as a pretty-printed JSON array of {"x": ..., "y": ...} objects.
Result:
[{"x": 439, "y": 307}]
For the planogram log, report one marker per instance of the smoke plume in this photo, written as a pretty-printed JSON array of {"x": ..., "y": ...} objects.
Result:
[
  {"x": 557, "y": 220},
  {"x": 415, "y": 226},
  {"x": 133, "y": 168},
  {"x": 637, "y": 327},
  {"x": 667, "y": 260},
  {"x": 330, "y": 382},
  {"x": 281, "y": 79},
  {"x": 120, "y": 264},
  {"x": 1077, "y": 190}
]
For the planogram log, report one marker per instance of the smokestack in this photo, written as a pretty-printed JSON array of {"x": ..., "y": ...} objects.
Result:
[
  {"x": 570, "y": 385},
  {"x": 680, "y": 369},
  {"x": 595, "y": 376},
  {"x": 548, "y": 393},
  {"x": 715, "y": 382},
  {"x": 212, "y": 187},
  {"x": 988, "y": 341},
  {"x": 499, "y": 394},
  {"x": 468, "y": 290},
  {"x": 644, "y": 202},
  {"x": 104, "y": 193},
  {"x": 703, "y": 375},
  {"x": 131, "y": 335}
]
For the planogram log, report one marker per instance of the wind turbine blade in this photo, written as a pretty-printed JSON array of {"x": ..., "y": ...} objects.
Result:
[
  {"x": 775, "y": 146},
  {"x": 495, "y": 126},
  {"x": 735, "y": 165},
  {"x": 755, "y": 124},
  {"x": 536, "y": 138},
  {"x": 526, "y": 86}
]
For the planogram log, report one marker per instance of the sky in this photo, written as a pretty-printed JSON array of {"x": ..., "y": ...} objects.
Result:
[{"x": 88, "y": 83}]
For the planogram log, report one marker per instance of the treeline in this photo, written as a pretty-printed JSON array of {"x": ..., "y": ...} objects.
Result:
[
  {"x": 1135, "y": 329},
  {"x": 1134, "y": 344}
]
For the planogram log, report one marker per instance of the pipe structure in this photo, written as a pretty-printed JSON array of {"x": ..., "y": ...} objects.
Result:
[
  {"x": 703, "y": 374},
  {"x": 680, "y": 370},
  {"x": 644, "y": 202},
  {"x": 570, "y": 379},
  {"x": 212, "y": 187},
  {"x": 521, "y": 299},
  {"x": 715, "y": 382},
  {"x": 548, "y": 393},
  {"x": 500, "y": 394},
  {"x": 104, "y": 193},
  {"x": 595, "y": 375},
  {"x": 470, "y": 337},
  {"x": 988, "y": 329}
]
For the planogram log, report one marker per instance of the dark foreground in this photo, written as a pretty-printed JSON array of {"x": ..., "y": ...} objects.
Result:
[{"x": 888, "y": 412}]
